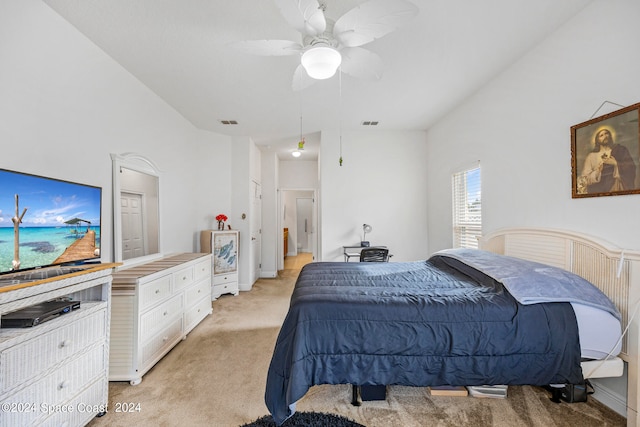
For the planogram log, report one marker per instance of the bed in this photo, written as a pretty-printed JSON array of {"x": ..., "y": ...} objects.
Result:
[{"x": 459, "y": 318}]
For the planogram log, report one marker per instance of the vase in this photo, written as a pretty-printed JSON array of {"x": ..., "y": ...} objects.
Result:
[{"x": 220, "y": 225}]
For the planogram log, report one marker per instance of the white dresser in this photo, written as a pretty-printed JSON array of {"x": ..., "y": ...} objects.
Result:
[
  {"x": 223, "y": 245},
  {"x": 55, "y": 373},
  {"x": 154, "y": 306}
]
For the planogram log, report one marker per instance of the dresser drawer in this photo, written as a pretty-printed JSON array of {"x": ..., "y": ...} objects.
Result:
[
  {"x": 89, "y": 403},
  {"x": 155, "y": 291},
  {"x": 195, "y": 314},
  {"x": 225, "y": 278},
  {"x": 182, "y": 278},
  {"x": 159, "y": 317},
  {"x": 55, "y": 389},
  {"x": 202, "y": 269},
  {"x": 197, "y": 292},
  {"x": 34, "y": 357},
  {"x": 156, "y": 346}
]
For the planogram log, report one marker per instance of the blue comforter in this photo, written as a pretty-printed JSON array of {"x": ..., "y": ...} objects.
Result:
[{"x": 423, "y": 323}]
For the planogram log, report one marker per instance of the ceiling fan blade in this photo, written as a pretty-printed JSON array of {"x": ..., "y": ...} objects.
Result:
[
  {"x": 301, "y": 79},
  {"x": 268, "y": 47},
  {"x": 361, "y": 63},
  {"x": 372, "y": 20},
  {"x": 303, "y": 15}
]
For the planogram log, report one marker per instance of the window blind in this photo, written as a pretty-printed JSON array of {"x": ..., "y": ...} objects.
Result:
[{"x": 467, "y": 208}]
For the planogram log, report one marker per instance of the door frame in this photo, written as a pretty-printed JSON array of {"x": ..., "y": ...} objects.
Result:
[
  {"x": 315, "y": 223},
  {"x": 255, "y": 254}
]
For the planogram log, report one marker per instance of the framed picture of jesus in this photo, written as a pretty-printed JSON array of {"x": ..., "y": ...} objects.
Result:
[{"x": 605, "y": 154}]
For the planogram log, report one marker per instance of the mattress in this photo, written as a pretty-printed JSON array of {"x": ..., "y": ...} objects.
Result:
[{"x": 599, "y": 331}]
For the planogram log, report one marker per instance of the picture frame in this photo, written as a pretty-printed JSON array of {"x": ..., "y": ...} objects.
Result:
[{"x": 605, "y": 154}]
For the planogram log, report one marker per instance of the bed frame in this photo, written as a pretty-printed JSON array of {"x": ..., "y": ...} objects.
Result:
[{"x": 615, "y": 271}]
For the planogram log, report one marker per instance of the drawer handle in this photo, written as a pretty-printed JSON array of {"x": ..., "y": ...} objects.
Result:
[
  {"x": 65, "y": 343},
  {"x": 157, "y": 291},
  {"x": 63, "y": 385},
  {"x": 184, "y": 278},
  {"x": 165, "y": 313}
]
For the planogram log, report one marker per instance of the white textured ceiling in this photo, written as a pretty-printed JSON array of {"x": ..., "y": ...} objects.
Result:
[{"x": 179, "y": 49}]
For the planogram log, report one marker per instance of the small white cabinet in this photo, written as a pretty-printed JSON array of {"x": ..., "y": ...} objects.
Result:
[
  {"x": 155, "y": 305},
  {"x": 55, "y": 373},
  {"x": 223, "y": 245}
]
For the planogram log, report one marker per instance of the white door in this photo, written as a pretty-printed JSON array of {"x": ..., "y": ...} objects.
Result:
[
  {"x": 256, "y": 231},
  {"x": 304, "y": 220},
  {"x": 132, "y": 226}
]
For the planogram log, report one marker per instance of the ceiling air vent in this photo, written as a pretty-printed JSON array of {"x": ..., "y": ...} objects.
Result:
[
  {"x": 229, "y": 122},
  {"x": 370, "y": 123}
]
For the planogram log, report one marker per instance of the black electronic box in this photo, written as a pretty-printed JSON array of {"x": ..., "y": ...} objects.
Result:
[{"x": 36, "y": 314}]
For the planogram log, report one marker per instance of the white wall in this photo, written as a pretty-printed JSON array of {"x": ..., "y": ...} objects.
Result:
[
  {"x": 298, "y": 174},
  {"x": 212, "y": 187},
  {"x": 245, "y": 166},
  {"x": 382, "y": 182},
  {"x": 66, "y": 105},
  {"x": 271, "y": 239},
  {"x": 518, "y": 126}
]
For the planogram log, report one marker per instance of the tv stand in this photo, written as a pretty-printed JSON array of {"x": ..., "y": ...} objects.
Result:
[{"x": 62, "y": 363}]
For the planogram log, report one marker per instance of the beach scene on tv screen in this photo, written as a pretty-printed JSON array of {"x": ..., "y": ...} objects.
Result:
[{"x": 58, "y": 221}]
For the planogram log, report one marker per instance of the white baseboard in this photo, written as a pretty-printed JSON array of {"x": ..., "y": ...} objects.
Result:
[
  {"x": 610, "y": 398},
  {"x": 268, "y": 274}
]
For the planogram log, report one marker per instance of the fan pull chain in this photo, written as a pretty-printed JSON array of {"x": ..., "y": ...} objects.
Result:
[{"x": 340, "y": 111}]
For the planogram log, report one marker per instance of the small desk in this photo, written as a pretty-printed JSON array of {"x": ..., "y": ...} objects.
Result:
[{"x": 354, "y": 251}]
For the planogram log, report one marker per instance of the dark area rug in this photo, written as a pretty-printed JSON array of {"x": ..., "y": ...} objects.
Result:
[{"x": 306, "y": 419}]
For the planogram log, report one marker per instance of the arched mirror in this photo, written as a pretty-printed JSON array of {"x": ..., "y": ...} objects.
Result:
[{"x": 136, "y": 208}]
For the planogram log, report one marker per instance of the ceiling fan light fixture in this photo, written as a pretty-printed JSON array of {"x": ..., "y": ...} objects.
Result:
[
  {"x": 321, "y": 62},
  {"x": 296, "y": 153}
]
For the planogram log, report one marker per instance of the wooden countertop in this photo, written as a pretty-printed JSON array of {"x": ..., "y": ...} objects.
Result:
[
  {"x": 89, "y": 268},
  {"x": 133, "y": 273}
]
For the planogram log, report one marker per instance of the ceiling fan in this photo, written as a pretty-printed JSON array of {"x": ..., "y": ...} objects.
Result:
[{"x": 326, "y": 45}]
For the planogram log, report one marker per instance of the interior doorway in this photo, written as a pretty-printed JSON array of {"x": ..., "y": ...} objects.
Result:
[{"x": 299, "y": 220}]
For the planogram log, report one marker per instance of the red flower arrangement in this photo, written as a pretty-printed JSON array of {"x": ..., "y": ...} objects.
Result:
[{"x": 221, "y": 218}]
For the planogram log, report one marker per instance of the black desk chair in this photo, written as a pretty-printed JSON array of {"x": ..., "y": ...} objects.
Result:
[{"x": 374, "y": 255}]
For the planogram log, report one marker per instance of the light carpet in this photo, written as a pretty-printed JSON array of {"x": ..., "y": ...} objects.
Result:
[{"x": 216, "y": 377}]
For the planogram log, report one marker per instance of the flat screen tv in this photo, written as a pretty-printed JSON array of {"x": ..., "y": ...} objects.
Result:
[{"x": 46, "y": 221}]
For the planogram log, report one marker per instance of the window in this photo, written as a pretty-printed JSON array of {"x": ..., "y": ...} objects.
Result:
[{"x": 467, "y": 208}]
